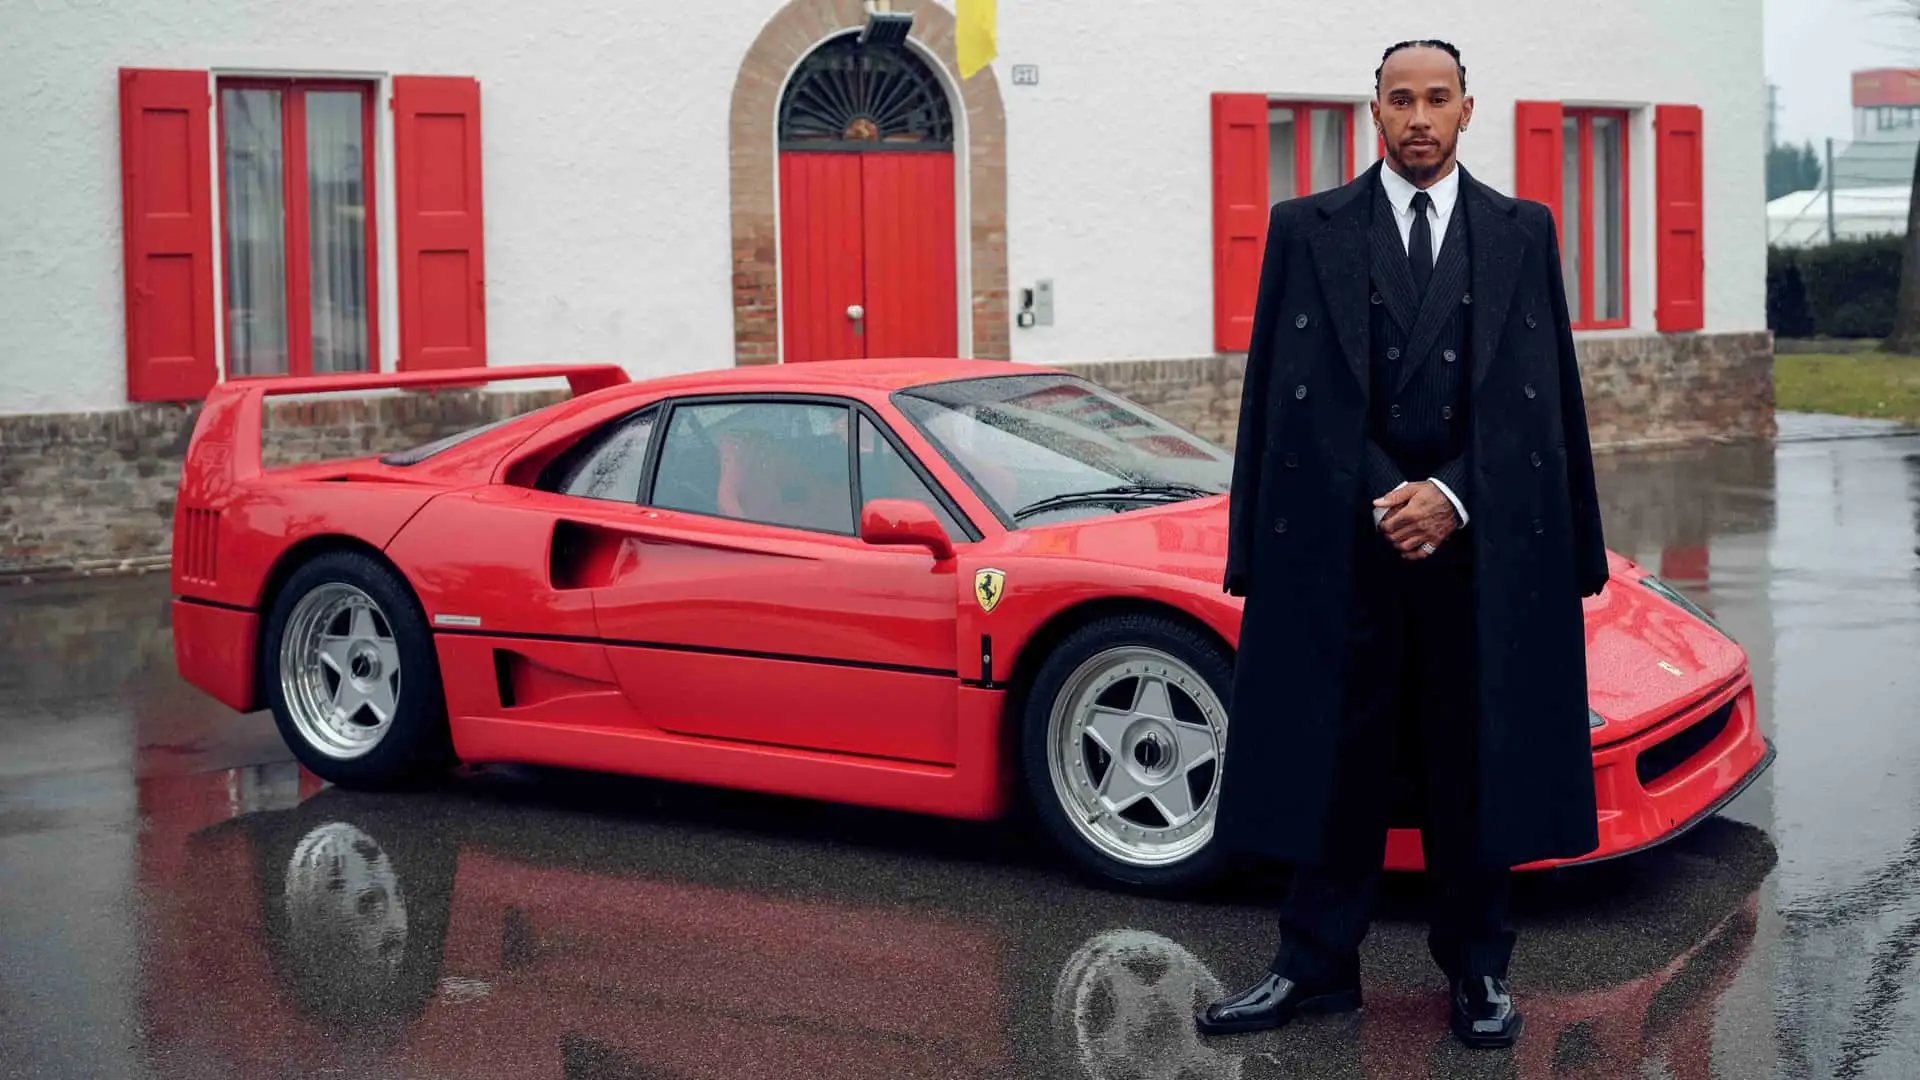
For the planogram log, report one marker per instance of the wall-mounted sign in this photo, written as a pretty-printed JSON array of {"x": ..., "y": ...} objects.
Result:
[{"x": 1026, "y": 74}]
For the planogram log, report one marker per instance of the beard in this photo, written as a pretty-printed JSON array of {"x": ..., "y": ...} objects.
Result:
[{"x": 1421, "y": 173}]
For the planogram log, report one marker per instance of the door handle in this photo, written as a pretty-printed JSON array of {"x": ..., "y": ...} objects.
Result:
[{"x": 856, "y": 312}]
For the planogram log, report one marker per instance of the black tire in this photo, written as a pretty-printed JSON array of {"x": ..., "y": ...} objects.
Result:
[
  {"x": 1205, "y": 656},
  {"x": 417, "y": 744}
]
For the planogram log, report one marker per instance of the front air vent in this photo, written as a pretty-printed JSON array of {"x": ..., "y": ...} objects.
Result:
[{"x": 199, "y": 540}]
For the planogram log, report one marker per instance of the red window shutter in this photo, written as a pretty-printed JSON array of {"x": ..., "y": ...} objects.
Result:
[
  {"x": 436, "y": 151},
  {"x": 1240, "y": 209},
  {"x": 166, "y": 204},
  {"x": 1682, "y": 255},
  {"x": 1537, "y": 153}
]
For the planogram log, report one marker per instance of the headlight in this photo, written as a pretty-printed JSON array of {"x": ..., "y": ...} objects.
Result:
[
  {"x": 1669, "y": 592},
  {"x": 1595, "y": 720}
]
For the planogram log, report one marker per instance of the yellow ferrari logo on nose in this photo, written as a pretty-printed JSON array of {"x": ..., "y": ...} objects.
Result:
[{"x": 988, "y": 587}]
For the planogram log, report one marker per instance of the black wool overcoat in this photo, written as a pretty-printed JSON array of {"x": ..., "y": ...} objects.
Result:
[{"x": 1297, "y": 494}]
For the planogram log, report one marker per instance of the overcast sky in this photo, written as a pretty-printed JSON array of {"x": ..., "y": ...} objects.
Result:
[{"x": 1814, "y": 46}]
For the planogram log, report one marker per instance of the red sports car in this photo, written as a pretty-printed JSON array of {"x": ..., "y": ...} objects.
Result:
[{"x": 927, "y": 585}]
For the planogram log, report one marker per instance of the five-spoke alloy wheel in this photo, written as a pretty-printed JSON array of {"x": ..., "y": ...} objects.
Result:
[
  {"x": 351, "y": 675},
  {"x": 1126, "y": 732}
]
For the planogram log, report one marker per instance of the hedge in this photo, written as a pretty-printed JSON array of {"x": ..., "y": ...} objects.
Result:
[{"x": 1843, "y": 290}]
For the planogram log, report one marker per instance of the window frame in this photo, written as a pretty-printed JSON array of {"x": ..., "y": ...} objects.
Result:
[
  {"x": 297, "y": 239},
  {"x": 854, "y": 408},
  {"x": 596, "y": 432},
  {"x": 1583, "y": 215},
  {"x": 1303, "y": 109}
]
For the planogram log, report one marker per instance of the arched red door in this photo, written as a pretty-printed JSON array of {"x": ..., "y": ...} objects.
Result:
[{"x": 866, "y": 207}]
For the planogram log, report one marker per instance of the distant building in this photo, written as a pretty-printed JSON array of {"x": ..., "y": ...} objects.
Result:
[{"x": 1886, "y": 131}]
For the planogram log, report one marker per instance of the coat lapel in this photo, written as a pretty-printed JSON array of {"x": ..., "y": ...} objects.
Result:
[
  {"x": 1444, "y": 290},
  {"x": 1391, "y": 274},
  {"x": 1499, "y": 246},
  {"x": 1339, "y": 246}
]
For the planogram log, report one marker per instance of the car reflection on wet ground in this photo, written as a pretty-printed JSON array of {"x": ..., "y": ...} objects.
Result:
[{"x": 178, "y": 899}]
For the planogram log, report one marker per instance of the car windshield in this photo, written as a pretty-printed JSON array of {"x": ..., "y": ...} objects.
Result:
[{"x": 1040, "y": 448}]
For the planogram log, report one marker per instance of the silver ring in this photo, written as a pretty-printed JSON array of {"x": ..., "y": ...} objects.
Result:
[{"x": 1428, "y": 548}]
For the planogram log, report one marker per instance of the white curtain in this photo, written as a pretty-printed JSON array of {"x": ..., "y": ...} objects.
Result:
[
  {"x": 1330, "y": 127},
  {"x": 1607, "y": 220},
  {"x": 337, "y": 229},
  {"x": 256, "y": 255}
]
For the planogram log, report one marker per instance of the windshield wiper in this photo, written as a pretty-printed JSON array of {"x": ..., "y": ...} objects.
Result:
[{"x": 1169, "y": 491}]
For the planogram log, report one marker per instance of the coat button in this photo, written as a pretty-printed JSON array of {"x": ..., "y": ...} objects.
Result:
[
  {"x": 1293, "y": 461},
  {"x": 1539, "y": 526},
  {"x": 1393, "y": 352},
  {"x": 1535, "y": 458},
  {"x": 1300, "y": 321},
  {"x": 1446, "y": 412},
  {"x": 1449, "y": 356},
  {"x": 1530, "y": 392},
  {"x": 1280, "y": 525},
  {"x": 1530, "y": 323},
  {"x": 1376, "y": 298},
  {"x": 1300, "y": 392},
  {"x": 1394, "y": 411},
  {"x": 1466, "y": 298}
]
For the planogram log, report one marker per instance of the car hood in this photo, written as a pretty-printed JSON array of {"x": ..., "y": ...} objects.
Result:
[{"x": 1646, "y": 657}]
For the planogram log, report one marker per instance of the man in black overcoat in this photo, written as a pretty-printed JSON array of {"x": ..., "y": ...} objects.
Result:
[{"x": 1414, "y": 525}]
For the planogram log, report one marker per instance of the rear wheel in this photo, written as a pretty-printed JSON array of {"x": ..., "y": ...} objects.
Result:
[
  {"x": 1124, "y": 732},
  {"x": 351, "y": 673}
]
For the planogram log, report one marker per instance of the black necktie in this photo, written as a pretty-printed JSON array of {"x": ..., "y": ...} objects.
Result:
[{"x": 1420, "y": 244}]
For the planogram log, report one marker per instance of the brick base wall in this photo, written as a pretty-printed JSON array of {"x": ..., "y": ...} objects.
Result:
[
  {"x": 1642, "y": 390},
  {"x": 85, "y": 493},
  {"x": 91, "y": 493}
]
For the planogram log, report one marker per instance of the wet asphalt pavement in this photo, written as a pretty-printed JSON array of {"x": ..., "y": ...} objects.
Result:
[{"x": 178, "y": 899}]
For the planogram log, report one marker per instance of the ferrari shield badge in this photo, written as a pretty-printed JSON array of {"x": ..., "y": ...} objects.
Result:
[{"x": 989, "y": 586}]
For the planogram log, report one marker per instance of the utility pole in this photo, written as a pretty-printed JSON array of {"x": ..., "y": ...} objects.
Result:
[
  {"x": 1773, "y": 113},
  {"x": 1829, "y": 186}
]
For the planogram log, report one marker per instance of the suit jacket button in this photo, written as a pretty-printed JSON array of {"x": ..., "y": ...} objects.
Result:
[
  {"x": 1530, "y": 392},
  {"x": 1293, "y": 461},
  {"x": 1300, "y": 392},
  {"x": 1394, "y": 411},
  {"x": 1376, "y": 298},
  {"x": 1280, "y": 525},
  {"x": 1446, "y": 412},
  {"x": 1393, "y": 352},
  {"x": 1539, "y": 526},
  {"x": 1300, "y": 321},
  {"x": 1466, "y": 298},
  {"x": 1530, "y": 323},
  {"x": 1535, "y": 458},
  {"x": 1449, "y": 356}
]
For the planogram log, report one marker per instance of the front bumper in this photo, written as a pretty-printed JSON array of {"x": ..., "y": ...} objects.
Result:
[{"x": 1656, "y": 785}]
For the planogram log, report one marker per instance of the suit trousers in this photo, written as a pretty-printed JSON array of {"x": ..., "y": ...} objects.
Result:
[{"x": 1411, "y": 716}]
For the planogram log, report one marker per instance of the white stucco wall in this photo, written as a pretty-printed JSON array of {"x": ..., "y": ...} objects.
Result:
[{"x": 606, "y": 154}]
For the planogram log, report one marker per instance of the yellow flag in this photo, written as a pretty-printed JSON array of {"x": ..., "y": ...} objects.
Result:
[{"x": 975, "y": 33}]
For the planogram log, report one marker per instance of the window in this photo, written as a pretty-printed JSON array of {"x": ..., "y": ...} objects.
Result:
[
  {"x": 608, "y": 464},
  {"x": 1025, "y": 439},
  {"x": 296, "y": 175},
  {"x": 1593, "y": 219},
  {"x": 885, "y": 474},
  {"x": 1308, "y": 148},
  {"x": 777, "y": 463},
  {"x": 272, "y": 180}
]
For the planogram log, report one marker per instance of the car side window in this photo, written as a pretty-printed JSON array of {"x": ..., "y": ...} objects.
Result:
[
  {"x": 772, "y": 462},
  {"x": 885, "y": 474},
  {"x": 608, "y": 464}
]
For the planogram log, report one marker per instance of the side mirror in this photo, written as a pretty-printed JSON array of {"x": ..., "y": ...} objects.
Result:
[{"x": 904, "y": 521}]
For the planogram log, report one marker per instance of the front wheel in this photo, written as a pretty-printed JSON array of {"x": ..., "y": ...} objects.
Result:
[
  {"x": 351, "y": 673},
  {"x": 1124, "y": 732}
]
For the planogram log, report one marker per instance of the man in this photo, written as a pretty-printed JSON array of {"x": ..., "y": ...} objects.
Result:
[{"x": 1413, "y": 526}]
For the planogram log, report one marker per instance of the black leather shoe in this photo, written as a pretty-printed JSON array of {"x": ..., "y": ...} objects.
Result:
[
  {"x": 1272, "y": 1002},
  {"x": 1483, "y": 1012}
]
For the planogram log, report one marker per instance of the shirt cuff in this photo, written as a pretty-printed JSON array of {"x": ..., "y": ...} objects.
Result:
[
  {"x": 1458, "y": 507},
  {"x": 1378, "y": 513}
]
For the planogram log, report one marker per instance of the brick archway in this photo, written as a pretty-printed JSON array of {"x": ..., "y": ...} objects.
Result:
[{"x": 799, "y": 26}]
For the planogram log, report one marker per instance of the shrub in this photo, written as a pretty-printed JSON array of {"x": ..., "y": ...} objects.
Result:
[{"x": 1843, "y": 290}]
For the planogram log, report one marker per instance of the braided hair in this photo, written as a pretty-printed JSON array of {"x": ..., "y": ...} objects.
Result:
[{"x": 1423, "y": 43}]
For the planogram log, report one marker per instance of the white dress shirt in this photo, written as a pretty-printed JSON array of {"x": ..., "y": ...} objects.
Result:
[{"x": 1445, "y": 193}]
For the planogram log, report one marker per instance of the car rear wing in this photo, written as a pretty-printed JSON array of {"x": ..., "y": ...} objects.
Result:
[{"x": 226, "y": 446}]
